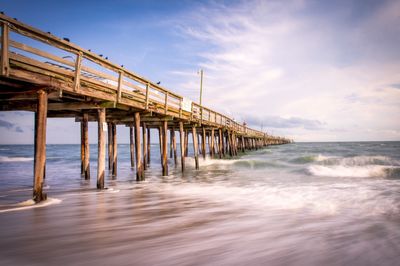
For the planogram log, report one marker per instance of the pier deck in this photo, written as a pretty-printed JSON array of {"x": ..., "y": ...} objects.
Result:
[{"x": 53, "y": 77}]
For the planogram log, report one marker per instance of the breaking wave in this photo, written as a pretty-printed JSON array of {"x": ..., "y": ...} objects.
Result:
[
  {"x": 30, "y": 204},
  {"x": 6, "y": 159},
  {"x": 357, "y": 166}
]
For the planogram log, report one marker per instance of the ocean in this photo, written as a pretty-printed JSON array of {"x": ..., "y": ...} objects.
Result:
[{"x": 294, "y": 204}]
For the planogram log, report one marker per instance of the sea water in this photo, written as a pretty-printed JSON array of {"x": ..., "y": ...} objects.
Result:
[{"x": 295, "y": 204}]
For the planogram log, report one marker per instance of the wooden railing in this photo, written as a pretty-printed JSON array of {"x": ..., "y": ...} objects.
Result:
[{"x": 25, "y": 46}]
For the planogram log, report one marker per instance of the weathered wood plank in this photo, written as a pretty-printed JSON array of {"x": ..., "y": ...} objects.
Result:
[
  {"x": 40, "y": 147},
  {"x": 101, "y": 155},
  {"x": 164, "y": 148},
  {"x": 182, "y": 145},
  {"x": 195, "y": 148},
  {"x": 139, "y": 166}
]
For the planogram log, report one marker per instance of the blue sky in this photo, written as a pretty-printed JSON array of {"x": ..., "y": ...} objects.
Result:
[{"x": 309, "y": 70}]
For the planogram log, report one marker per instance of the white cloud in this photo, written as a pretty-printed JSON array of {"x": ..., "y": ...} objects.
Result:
[{"x": 268, "y": 58}]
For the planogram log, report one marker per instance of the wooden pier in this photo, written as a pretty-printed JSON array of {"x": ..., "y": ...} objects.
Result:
[{"x": 56, "y": 78}]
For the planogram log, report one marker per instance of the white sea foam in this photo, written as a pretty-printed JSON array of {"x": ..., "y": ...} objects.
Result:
[
  {"x": 30, "y": 204},
  {"x": 348, "y": 171},
  {"x": 316, "y": 199},
  {"x": 357, "y": 166},
  {"x": 320, "y": 158},
  {"x": 15, "y": 159}
]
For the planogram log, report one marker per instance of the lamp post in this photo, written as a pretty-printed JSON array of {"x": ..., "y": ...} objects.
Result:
[
  {"x": 201, "y": 84},
  {"x": 201, "y": 94}
]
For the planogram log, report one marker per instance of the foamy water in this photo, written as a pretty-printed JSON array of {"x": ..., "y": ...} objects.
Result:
[{"x": 300, "y": 204}]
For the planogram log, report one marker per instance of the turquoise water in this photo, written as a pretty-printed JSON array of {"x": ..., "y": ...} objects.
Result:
[{"x": 296, "y": 204}]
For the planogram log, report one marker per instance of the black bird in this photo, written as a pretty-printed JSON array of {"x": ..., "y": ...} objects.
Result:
[
  {"x": 106, "y": 57},
  {"x": 122, "y": 65},
  {"x": 158, "y": 83},
  {"x": 2, "y": 12},
  {"x": 16, "y": 19},
  {"x": 49, "y": 32},
  {"x": 100, "y": 55},
  {"x": 66, "y": 39},
  {"x": 89, "y": 50}
]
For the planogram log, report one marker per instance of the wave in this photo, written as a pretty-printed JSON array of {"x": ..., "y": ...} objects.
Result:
[
  {"x": 239, "y": 163},
  {"x": 317, "y": 199},
  {"x": 357, "y": 166},
  {"x": 309, "y": 159},
  {"x": 346, "y": 171},
  {"x": 6, "y": 159},
  {"x": 361, "y": 161},
  {"x": 30, "y": 204}
]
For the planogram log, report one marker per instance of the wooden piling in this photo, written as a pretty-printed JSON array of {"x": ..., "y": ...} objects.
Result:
[
  {"x": 212, "y": 144},
  {"x": 174, "y": 146},
  {"x": 114, "y": 149},
  {"x": 160, "y": 141},
  {"x": 110, "y": 145},
  {"x": 182, "y": 145},
  {"x": 131, "y": 146},
  {"x": 40, "y": 147},
  {"x": 101, "y": 153},
  {"x": 221, "y": 140},
  {"x": 171, "y": 148},
  {"x": 186, "y": 142},
  {"x": 139, "y": 167},
  {"x": 203, "y": 143},
  {"x": 195, "y": 147},
  {"x": 82, "y": 149},
  {"x": 145, "y": 149},
  {"x": 86, "y": 149},
  {"x": 164, "y": 148},
  {"x": 148, "y": 145}
]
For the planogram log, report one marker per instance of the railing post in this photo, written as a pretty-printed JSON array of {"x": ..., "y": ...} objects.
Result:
[
  {"x": 77, "y": 79},
  {"x": 180, "y": 107},
  {"x": 147, "y": 96},
  {"x": 191, "y": 113},
  {"x": 166, "y": 103},
  {"x": 120, "y": 77},
  {"x": 5, "y": 63}
]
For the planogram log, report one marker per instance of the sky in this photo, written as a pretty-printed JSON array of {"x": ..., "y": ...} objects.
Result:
[{"x": 305, "y": 69}]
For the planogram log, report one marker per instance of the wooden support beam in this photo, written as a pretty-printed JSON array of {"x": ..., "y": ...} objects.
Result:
[
  {"x": 77, "y": 76},
  {"x": 131, "y": 146},
  {"x": 139, "y": 167},
  {"x": 147, "y": 97},
  {"x": 82, "y": 148},
  {"x": 174, "y": 146},
  {"x": 110, "y": 145},
  {"x": 101, "y": 154},
  {"x": 229, "y": 136},
  {"x": 115, "y": 149},
  {"x": 182, "y": 145},
  {"x": 119, "y": 88},
  {"x": 5, "y": 63},
  {"x": 195, "y": 147},
  {"x": 148, "y": 145},
  {"x": 145, "y": 149},
  {"x": 212, "y": 143},
  {"x": 160, "y": 141},
  {"x": 164, "y": 148},
  {"x": 171, "y": 148},
  {"x": 243, "y": 144},
  {"x": 86, "y": 150},
  {"x": 221, "y": 144},
  {"x": 40, "y": 147},
  {"x": 203, "y": 142},
  {"x": 186, "y": 142}
]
